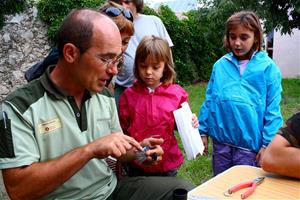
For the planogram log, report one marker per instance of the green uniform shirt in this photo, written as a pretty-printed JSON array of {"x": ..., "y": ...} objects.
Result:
[
  {"x": 291, "y": 130},
  {"x": 43, "y": 123}
]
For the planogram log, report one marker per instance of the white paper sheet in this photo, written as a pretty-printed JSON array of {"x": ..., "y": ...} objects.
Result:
[{"x": 189, "y": 135}]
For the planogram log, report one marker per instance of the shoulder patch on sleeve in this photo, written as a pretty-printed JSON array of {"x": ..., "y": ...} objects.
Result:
[{"x": 6, "y": 141}]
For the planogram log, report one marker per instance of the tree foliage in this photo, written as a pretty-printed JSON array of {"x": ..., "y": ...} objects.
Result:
[
  {"x": 10, "y": 7},
  {"x": 281, "y": 15},
  {"x": 53, "y": 12},
  {"x": 197, "y": 43}
]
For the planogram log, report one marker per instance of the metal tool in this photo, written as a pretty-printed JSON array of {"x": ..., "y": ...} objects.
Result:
[{"x": 251, "y": 184}]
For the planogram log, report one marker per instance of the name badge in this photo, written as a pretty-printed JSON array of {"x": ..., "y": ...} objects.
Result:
[{"x": 48, "y": 126}]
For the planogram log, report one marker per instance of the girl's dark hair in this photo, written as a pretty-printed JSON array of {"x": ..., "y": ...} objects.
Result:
[
  {"x": 139, "y": 4},
  {"x": 249, "y": 20},
  {"x": 158, "y": 49}
]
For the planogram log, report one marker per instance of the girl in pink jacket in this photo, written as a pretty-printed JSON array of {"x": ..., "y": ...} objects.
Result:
[{"x": 146, "y": 108}]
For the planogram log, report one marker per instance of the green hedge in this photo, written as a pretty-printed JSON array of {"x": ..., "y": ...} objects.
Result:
[
  {"x": 53, "y": 12},
  {"x": 197, "y": 43}
]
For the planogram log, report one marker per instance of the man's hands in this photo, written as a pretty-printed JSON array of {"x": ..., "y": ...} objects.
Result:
[
  {"x": 115, "y": 145},
  {"x": 124, "y": 148}
]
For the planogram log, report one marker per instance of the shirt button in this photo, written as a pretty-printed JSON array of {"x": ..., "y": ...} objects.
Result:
[{"x": 77, "y": 114}]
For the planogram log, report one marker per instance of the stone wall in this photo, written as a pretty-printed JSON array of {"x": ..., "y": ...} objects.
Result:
[{"x": 23, "y": 42}]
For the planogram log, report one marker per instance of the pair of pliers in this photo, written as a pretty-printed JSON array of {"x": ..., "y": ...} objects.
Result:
[{"x": 251, "y": 184}]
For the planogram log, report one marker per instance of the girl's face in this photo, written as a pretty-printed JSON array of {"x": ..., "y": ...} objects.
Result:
[
  {"x": 125, "y": 40},
  {"x": 128, "y": 4},
  {"x": 241, "y": 40},
  {"x": 151, "y": 72}
]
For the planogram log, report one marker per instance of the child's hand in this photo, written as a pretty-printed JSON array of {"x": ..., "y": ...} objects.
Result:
[
  {"x": 154, "y": 154},
  {"x": 260, "y": 155},
  {"x": 195, "y": 122},
  {"x": 205, "y": 143}
]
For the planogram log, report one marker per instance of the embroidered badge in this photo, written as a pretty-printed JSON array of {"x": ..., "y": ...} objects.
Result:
[{"x": 49, "y": 126}]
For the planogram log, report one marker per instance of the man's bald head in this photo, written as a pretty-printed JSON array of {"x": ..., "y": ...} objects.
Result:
[{"x": 77, "y": 28}]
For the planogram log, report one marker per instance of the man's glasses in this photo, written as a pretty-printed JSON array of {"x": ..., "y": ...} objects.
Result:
[
  {"x": 114, "y": 12},
  {"x": 115, "y": 62}
]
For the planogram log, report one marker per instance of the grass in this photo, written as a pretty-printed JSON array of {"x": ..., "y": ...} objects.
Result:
[{"x": 200, "y": 170}]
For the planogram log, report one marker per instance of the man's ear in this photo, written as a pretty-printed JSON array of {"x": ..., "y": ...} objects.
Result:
[{"x": 71, "y": 52}]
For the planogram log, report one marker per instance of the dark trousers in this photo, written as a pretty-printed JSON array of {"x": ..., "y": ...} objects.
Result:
[
  {"x": 148, "y": 188},
  {"x": 134, "y": 171},
  {"x": 226, "y": 156}
]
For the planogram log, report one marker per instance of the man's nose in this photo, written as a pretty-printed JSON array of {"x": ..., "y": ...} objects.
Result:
[{"x": 113, "y": 69}]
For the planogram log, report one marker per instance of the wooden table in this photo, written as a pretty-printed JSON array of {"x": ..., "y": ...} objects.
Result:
[{"x": 273, "y": 186}]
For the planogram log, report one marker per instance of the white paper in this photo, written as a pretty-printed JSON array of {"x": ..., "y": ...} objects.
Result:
[{"x": 189, "y": 135}]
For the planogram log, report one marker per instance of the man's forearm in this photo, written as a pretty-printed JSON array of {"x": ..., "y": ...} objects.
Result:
[
  {"x": 286, "y": 163},
  {"x": 282, "y": 158},
  {"x": 39, "y": 179}
]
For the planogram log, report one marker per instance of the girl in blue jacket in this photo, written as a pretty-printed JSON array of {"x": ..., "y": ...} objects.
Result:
[{"x": 241, "y": 112}]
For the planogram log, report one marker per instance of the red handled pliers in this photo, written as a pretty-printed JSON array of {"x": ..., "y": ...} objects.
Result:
[{"x": 251, "y": 184}]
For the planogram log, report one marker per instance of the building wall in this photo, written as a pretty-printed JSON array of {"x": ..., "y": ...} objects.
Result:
[{"x": 286, "y": 53}]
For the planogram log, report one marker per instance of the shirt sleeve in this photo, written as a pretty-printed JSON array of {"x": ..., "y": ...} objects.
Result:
[
  {"x": 204, "y": 110},
  {"x": 163, "y": 31},
  {"x": 272, "y": 119},
  {"x": 19, "y": 140},
  {"x": 115, "y": 125},
  {"x": 291, "y": 130},
  {"x": 184, "y": 97}
]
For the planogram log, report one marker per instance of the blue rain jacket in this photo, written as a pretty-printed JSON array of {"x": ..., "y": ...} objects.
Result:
[{"x": 242, "y": 110}]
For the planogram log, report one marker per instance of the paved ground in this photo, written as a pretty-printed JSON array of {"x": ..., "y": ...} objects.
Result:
[{"x": 3, "y": 194}]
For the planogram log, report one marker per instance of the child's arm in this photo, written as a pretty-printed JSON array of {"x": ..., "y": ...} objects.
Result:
[
  {"x": 205, "y": 142},
  {"x": 204, "y": 112},
  {"x": 272, "y": 119}
]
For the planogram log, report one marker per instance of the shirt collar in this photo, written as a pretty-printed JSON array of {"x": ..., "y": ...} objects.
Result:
[
  {"x": 151, "y": 90},
  {"x": 54, "y": 89}
]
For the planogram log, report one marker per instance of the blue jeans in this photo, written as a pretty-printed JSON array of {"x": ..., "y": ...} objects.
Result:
[{"x": 225, "y": 156}]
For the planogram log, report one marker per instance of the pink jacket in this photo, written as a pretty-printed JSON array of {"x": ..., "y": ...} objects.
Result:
[{"x": 144, "y": 114}]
